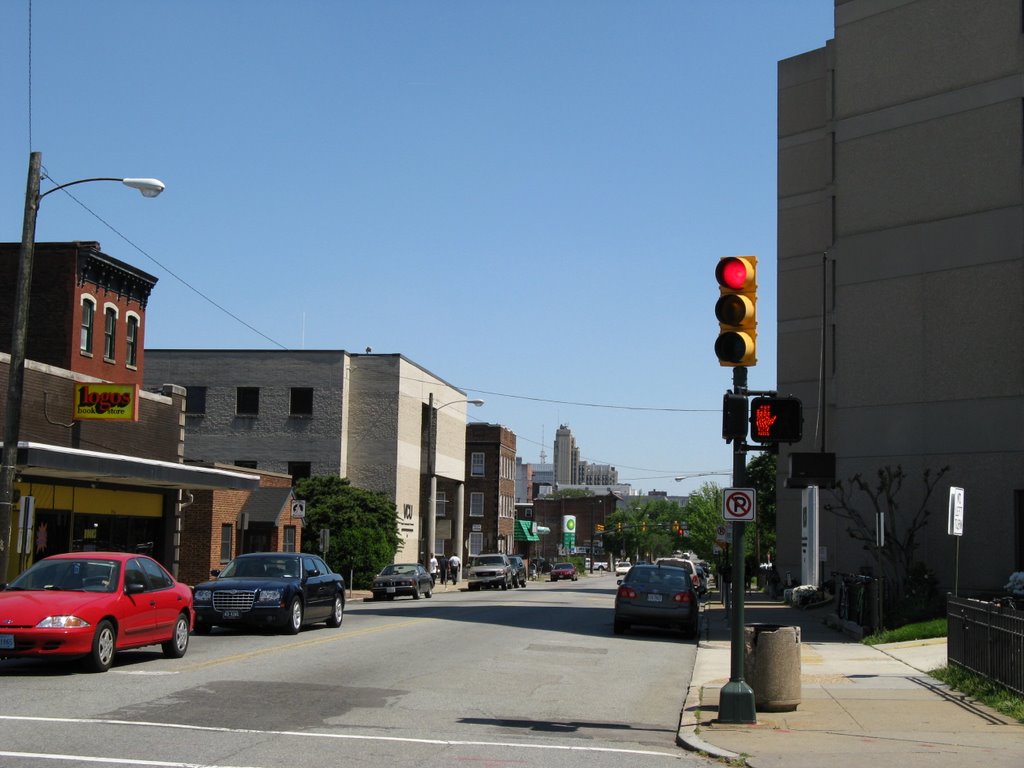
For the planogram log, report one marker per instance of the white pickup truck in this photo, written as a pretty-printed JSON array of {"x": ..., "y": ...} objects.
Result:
[{"x": 599, "y": 565}]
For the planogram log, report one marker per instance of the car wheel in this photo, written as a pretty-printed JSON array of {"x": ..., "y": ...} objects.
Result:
[
  {"x": 175, "y": 647},
  {"x": 335, "y": 619},
  {"x": 416, "y": 593},
  {"x": 104, "y": 644},
  {"x": 504, "y": 586},
  {"x": 474, "y": 587},
  {"x": 429, "y": 593},
  {"x": 619, "y": 627},
  {"x": 295, "y": 617},
  {"x": 574, "y": 578}
]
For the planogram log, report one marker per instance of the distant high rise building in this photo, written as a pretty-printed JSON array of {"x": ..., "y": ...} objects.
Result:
[
  {"x": 596, "y": 474},
  {"x": 566, "y": 456}
]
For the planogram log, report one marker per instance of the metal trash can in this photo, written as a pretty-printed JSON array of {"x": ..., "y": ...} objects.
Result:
[{"x": 771, "y": 666}]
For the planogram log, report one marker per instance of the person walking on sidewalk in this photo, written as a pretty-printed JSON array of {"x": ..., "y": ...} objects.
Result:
[
  {"x": 725, "y": 585},
  {"x": 432, "y": 568},
  {"x": 442, "y": 566},
  {"x": 454, "y": 564}
]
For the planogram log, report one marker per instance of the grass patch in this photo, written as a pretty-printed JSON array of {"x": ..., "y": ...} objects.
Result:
[
  {"x": 984, "y": 690},
  {"x": 921, "y": 630}
]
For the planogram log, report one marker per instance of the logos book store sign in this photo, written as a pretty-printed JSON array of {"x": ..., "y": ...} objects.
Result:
[{"x": 108, "y": 402}]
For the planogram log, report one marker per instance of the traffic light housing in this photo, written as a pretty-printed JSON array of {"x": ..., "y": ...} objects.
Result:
[
  {"x": 599, "y": 527},
  {"x": 736, "y": 310},
  {"x": 734, "y": 417},
  {"x": 776, "y": 419}
]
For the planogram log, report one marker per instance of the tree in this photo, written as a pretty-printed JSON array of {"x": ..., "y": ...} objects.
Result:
[
  {"x": 901, "y": 528},
  {"x": 703, "y": 514},
  {"x": 760, "y": 537},
  {"x": 363, "y": 526},
  {"x": 570, "y": 493}
]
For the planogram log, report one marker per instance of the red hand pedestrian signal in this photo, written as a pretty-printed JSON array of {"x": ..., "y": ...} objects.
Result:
[{"x": 776, "y": 420}]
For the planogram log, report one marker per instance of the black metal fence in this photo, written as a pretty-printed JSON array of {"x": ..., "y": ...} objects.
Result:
[{"x": 988, "y": 639}]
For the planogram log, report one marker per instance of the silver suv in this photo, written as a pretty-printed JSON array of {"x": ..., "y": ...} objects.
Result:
[{"x": 491, "y": 570}]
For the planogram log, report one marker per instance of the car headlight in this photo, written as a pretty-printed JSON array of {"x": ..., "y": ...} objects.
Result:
[
  {"x": 203, "y": 595},
  {"x": 270, "y": 596},
  {"x": 62, "y": 622}
]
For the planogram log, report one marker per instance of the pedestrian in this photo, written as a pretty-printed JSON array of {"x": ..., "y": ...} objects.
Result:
[
  {"x": 443, "y": 568},
  {"x": 725, "y": 577},
  {"x": 432, "y": 568},
  {"x": 454, "y": 565}
]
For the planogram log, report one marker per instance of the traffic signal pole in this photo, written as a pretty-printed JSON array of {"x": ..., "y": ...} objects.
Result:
[{"x": 736, "y": 699}]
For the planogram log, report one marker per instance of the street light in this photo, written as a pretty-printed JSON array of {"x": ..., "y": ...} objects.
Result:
[
  {"x": 688, "y": 475},
  {"x": 19, "y": 332},
  {"x": 431, "y": 467}
]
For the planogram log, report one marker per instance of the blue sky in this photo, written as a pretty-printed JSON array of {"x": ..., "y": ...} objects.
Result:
[{"x": 526, "y": 198}]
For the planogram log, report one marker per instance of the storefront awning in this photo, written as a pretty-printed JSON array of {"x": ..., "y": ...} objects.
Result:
[
  {"x": 37, "y": 460},
  {"x": 524, "y": 531}
]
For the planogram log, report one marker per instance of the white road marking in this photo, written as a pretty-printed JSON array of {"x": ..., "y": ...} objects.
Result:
[{"x": 337, "y": 736}]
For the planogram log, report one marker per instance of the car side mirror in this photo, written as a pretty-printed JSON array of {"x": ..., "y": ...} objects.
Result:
[
  {"x": 215, "y": 572},
  {"x": 134, "y": 587},
  {"x": 310, "y": 572}
]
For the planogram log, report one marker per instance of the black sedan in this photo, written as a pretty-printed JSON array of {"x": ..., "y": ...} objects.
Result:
[
  {"x": 271, "y": 589},
  {"x": 409, "y": 579}
]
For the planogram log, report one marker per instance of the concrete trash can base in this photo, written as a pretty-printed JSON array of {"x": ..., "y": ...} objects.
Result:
[{"x": 771, "y": 666}]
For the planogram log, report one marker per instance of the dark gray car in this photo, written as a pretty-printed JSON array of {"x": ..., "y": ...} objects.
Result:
[
  {"x": 657, "y": 595},
  {"x": 518, "y": 570}
]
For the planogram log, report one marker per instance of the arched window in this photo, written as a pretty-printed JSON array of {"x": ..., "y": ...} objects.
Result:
[
  {"x": 109, "y": 329},
  {"x": 132, "y": 339},
  {"x": 88, "y": 317}
]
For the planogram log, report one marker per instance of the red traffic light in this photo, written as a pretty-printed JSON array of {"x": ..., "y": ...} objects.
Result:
[
  {"x": 776, "y": 419},
  {"x": 735, "y": 310}
]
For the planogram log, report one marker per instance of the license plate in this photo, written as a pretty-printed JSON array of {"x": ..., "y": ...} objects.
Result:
[
  {"x": 654, "y": 598},
  {"x": 391, "y": 590},
  {"x": 231, "y": 614},
  {"x": 7, "y": 641}
]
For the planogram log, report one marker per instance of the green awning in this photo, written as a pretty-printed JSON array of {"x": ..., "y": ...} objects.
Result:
[{"x": 524, "y": 531}]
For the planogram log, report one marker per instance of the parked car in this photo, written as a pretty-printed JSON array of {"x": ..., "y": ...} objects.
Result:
[
  {"x": 657, "y": 595},
  {"x": 622, "y": 567},
  {"x": 564, "y": 571},
  {"x": 518, "y": 570},
  {"x": 397, "y": 579},
  {"x": 93, "y": 605},
  {"x": 697, "y": 575},
  {"x": 271, "y": 589},
  {"x": 490, "y": 570}
]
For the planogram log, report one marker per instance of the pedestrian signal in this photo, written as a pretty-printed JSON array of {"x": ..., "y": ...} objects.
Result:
[{"x": 776, "y": 419}]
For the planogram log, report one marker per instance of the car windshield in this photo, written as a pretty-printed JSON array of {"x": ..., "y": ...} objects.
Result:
[
  {"x": 80, "y": 574},
  {"x": 564, "y": 565},
  {"x": 489, "y": 560},
  {"x": 262, "y": 568},
  {"x": 393, "y": 570}
]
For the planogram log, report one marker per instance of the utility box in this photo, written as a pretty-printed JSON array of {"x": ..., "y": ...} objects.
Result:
[{"x": 771, "y": 666}]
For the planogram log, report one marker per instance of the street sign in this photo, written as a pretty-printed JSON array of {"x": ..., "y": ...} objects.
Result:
[
  {"x": 956, "y": 511},
  {"x": 738, "y": 505},
  {"x": 299, "y": 508},
  {"x": 723, "y": 534}
]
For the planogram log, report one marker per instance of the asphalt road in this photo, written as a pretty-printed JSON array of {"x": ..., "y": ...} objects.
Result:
[{"x": 528, "y": 677}]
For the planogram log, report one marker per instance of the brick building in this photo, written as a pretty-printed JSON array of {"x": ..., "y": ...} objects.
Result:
[{"x": 490, "y": 488}]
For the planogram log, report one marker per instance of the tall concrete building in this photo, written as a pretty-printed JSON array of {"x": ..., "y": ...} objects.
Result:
[
  {"x": 381, "y": 420},
  {"x": 566, "y": 456},
  {"x": 901, "y": 275}
]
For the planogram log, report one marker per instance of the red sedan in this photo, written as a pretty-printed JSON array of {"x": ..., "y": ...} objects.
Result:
[
  {"x": 92, "y": 605},
  {"x": 563, "y": 571}
]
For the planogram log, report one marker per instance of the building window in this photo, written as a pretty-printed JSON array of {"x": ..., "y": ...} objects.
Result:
[
  {"x": 195, "y": 401},
  {"x": 301, "y": 401},
  {"x": 245, "y": 463},
  {"x": 88, "y": 318},
  {"x": 476, "y": 544},
  {"x": 299, "y": 470},
  {"x": 441, "y": 504},
  {"x": 476, "y": 504},
  {"x": 477, "y": 464},
  {"x": 226, "y": 531},
  {"x": 247, "y": 401},
  {"x": 109, "y": 331},
  {"x": 132, "y": 339},
  {"x": 289, "y": 538}
]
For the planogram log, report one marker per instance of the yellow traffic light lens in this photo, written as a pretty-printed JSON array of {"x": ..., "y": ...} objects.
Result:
[{"x": 734, "y": 309}]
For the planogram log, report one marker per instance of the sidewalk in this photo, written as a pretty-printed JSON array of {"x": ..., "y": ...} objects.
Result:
[{"x": 860, "y": 705}]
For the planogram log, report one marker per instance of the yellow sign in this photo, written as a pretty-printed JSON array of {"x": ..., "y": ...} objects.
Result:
[{"x": 109, "y": 402}]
